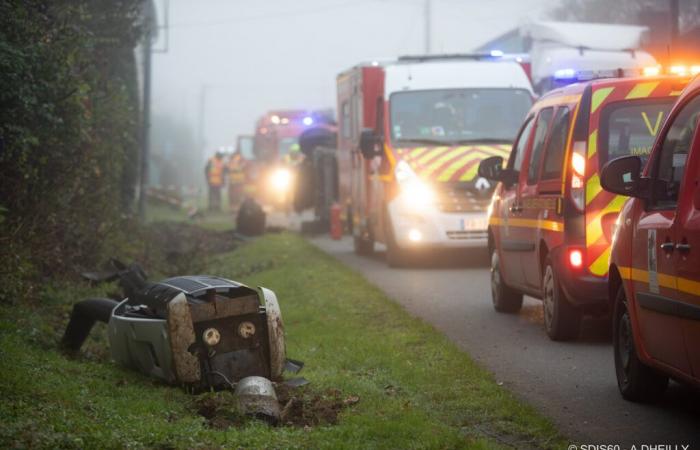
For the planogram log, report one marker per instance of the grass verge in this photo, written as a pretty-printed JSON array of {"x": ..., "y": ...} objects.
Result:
[{"x": 409, "y": 387}]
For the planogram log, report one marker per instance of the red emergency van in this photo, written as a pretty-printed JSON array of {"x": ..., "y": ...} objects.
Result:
[
  {"x": 550, "y": 221},
  {"x": 655, "y": 259},
  {"x": 411, "y": 134}
]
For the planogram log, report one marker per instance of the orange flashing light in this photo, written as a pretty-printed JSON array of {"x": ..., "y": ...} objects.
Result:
[{"x": 651, "y": 71}]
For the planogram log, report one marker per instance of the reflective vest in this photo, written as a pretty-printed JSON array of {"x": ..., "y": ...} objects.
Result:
[{"x": 216, "y": 171}]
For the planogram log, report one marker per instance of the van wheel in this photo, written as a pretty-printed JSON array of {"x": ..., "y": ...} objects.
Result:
[
  {"x": 637, "y": 382},
  {"x": 363, "y": 246},
  {"x": 504, "y": 298},
  {"x": 562, "y": 321}
]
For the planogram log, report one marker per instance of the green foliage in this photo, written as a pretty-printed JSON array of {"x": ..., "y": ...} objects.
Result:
[{"x": 69, "y": 122}]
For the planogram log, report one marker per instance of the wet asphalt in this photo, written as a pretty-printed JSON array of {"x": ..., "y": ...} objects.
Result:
[{"x": 572, "y": 383}]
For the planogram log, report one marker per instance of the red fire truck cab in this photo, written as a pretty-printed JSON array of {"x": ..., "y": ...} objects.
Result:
[{"x": 411, "y": 135}]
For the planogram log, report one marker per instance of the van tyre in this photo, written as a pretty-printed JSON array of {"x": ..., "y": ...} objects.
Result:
[
  {"x": 637, "y": 382},
  {"x": 562, "y": 321},
  {"x": 504, "y": 298}
]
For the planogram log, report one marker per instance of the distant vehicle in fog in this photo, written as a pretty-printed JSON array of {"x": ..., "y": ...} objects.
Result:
[{"x": 561, "y": 53}]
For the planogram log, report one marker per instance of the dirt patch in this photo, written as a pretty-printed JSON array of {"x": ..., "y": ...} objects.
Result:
[
  {"x": 219, "y": 410},
  {"x": 302, "y": 407}
]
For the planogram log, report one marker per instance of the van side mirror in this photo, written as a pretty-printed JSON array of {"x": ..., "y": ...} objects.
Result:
[
  {"x": 492, "y": 169},
  {"x": 368, "y": 142},
  {"x": 622, "y": 176}
]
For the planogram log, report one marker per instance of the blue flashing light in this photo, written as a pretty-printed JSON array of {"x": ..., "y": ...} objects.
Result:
[
  {"x": 565, "y": 74},
  {"x": 497, "y": 53},
  {"x": 308, "y": 120}
]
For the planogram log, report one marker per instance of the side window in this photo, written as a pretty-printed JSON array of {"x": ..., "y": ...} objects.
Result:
[
  {"x": 671, "y": 161},
  {"x": 516, "y": 157},
  {"x": 538, "y": 144},
  {"x": 556, "y": 146},
  {"x": 345, "y": 115}
]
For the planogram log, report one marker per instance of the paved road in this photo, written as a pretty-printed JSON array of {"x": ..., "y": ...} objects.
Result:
[{"x": 572, "y": 383}]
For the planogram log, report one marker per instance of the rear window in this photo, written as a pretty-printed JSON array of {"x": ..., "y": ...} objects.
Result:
[{"x": 629, "y": 128}]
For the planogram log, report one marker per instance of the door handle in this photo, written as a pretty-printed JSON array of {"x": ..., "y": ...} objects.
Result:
[
  {"x": 668, "y": 246},
  {"x": 684, "y": 247},
  {"x": 516, "y": 208}
]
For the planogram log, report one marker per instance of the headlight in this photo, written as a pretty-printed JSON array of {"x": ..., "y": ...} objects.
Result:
[
  {"x": 416, "y": 193},
  {"x": 281, "y": 179}
]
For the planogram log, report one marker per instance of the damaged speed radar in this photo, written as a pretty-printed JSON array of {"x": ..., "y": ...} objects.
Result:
[{"x": 203, "y": 332}]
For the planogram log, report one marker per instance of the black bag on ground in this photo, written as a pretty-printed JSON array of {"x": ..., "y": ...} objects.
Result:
[{"x": 251, "y": 218}]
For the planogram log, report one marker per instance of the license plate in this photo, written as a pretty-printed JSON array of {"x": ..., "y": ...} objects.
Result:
[{"x": 472, "y": 224}]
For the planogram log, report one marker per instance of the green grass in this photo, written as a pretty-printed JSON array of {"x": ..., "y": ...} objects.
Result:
[
  {"x": 416, "y": 389},
  {"x": 219, "y": 221}
]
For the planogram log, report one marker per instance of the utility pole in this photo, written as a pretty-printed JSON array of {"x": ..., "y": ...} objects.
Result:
[
  {"x": 146, "y": 110},
  {"x": 428, "y": 14},
  {"x": 150, "y": 33}
]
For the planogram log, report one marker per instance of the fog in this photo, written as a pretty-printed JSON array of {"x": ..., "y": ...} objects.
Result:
[{"x": 234, "y": 60}]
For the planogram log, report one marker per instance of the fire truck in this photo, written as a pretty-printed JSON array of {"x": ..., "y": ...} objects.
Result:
[
  {"x": 275, "y": 147},
  {"x": 411, "y": 133}
]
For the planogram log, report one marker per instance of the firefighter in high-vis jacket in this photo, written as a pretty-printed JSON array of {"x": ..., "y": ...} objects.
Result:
[
  {"x": 235, "y": 172},
  {"x": 214, "y": 171}
]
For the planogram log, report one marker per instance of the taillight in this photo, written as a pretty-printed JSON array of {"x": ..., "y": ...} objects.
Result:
[
  {"x": 578, "y": 166},
  {"x": 575, "y": 258}
]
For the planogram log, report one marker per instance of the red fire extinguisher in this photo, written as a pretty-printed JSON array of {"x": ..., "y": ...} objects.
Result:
[{"x": 336, "y": 223}]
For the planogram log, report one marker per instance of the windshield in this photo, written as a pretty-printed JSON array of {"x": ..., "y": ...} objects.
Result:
[
  {"x": 457, "y": 115},
  {"x": 286, "y": 144},
  {"x": 630, "y": 128}
]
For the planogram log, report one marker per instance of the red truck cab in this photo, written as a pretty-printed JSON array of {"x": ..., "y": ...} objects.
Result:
[{"x": 655, "y": 260}]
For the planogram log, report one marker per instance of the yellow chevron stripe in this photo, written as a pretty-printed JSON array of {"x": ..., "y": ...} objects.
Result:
[
  {"x": 600, "y": 266},
  {"x": 416, "y": 152},
  {"x": 642, "y": 90},
  {"x": 599, "y": 97},
  {"x": 432, "y": 153},
  {"x": 470, "y": 174},
  {"x": 446, "y": 174},
  {"x": 594, "y": 229},
  {"x": 435, "y": 164},
  {"x": 592, "y": 143},
  {"x": 593, "y": 188}
]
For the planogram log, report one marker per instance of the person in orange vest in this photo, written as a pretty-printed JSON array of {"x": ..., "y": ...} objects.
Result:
[
  {"x": 236, "y": 179},
  {"x": 214, "y": 172}
]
